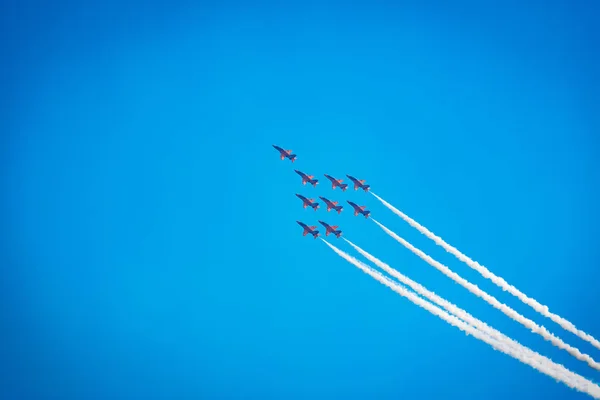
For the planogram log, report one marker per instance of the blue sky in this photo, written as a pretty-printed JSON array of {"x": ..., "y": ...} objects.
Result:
[{"x": 149, "y": 244}]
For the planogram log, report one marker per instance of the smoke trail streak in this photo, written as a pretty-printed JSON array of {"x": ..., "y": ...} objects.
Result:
[
  {"x": 565, "y": 376},
  {"x": 540, "y": 330},
  {"x": 540, "y": 308},
  {"x": 451, "y": 308}
]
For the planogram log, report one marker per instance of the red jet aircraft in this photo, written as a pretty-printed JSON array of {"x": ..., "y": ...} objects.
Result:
[
  {"x": 332, "y": 204},
  {"x": 359, "y": 183},
  {"x": 308, "y": 202},
  {"x": 359, "y": 209},
  {"x": 337, "y": 182},
  {"x": 331, "y": 229},
  {"x": 307, "y": 178},
  {"x": 309, "y": 229},
  {"x": 285, "y": 153}
]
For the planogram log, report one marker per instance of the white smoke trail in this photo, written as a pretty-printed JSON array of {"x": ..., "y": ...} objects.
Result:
[
  {"x": 567, "y": 377},
  {"x": 540, "y": 330},
  {"x": 451, "y": 308},
  {"x": 540, "y": 308}
]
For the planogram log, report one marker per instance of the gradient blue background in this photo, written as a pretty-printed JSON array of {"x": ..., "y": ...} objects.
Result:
[{"x": 149, "y": 244}]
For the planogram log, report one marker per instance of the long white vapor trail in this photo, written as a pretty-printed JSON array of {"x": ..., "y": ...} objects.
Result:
[
  {"x": 555, "y": 371},
  {"x": 540, "y": 330},
  {"x": 451, "y": 308},
  {"x": 540, "y": 308}
]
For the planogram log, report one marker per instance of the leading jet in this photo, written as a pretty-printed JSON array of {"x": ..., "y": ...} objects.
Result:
[
  {"x": 331, "y": 229},
  {"x": 285, "y": 153},
  {"x": 337, "y": 182},
  {"x": 308, "y": 202},
  {"x": 332, "y": 204},
  {"x": 359, "y": 209},
  {"x": 309, "y": 229},
  {"x": 359, "y": 183},
  {"x": 307, "y": 178}
]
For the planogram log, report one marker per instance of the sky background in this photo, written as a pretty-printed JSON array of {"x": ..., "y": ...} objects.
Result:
[{"x": 149, "y": 248}]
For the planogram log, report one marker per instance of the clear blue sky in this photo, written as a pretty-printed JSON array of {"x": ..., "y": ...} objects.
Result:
[{"x": 149, "y": 248}]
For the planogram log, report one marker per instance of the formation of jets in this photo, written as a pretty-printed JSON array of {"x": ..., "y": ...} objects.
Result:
[{"x": 331, "y": 205}]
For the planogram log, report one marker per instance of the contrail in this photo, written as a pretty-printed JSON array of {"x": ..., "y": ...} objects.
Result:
[
  {"x": 451, "y": 308},
  {"x": 567, "y": 377},
  {"x": 494, "y": 302},
  {"x": 540, "y": 308}
]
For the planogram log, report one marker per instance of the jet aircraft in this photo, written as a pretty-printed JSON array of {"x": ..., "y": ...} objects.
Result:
[
  {"x": 331, "y": 229},
  {"x": 359, "y": 183},
  {"x": 307, "y": 178},
  {"x": 359, "y": 209},
  {"x": 337, "y": 182},
  {"x": 332, "y": 204},
  {"x": 285, "y": 153},
  {"x": 308, "y": 202},
  {"x": 309, "y": 229}
]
